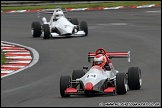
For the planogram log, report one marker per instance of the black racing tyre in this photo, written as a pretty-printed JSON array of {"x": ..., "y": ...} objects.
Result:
[
  {"x": 134, "y": 78},
  {"x": 46, "y": 30},
  {"x": 78, "y": 74},
  {"x": 121, "y": 83},
  {"x": 84, "y": 27},
  {"x": 64, "y": 83},
  {"x": 36, "y": 29},
  {"x": 74, "y": 21}
]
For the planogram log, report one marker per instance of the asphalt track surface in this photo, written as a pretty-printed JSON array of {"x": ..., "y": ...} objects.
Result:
[{"x": 134, "y": 30}]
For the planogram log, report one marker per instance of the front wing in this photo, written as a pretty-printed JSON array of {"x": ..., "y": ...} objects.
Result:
[
  {"x": 74, "y": 91},
  {"x": 79, "y": 33}
]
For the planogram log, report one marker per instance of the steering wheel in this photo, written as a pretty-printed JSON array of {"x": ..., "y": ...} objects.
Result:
[{"x": 100, "y": 51}]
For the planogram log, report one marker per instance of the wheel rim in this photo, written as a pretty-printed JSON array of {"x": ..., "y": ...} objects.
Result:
[
  {"x": 140, "y": 79},
  {"x": 126, "y": 85},
  {"x": 32, "y": 31}
]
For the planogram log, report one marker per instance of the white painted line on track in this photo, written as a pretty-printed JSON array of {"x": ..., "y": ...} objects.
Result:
[
  {"x": 11, "y": 66},
  {"x": 6, "y": 72},
  {"x": 18, "y": 52},
  {"x": 158, "y": 11},
  {"x": 14, "y": 50}
]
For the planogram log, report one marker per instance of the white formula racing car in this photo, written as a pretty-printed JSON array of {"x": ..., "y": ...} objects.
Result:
[
  {"x": 97, "y": 80},
  {"x": 58, "y": 26}
]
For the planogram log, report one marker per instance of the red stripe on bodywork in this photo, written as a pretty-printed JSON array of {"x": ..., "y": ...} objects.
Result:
[
  {"x": 70, "y": 90},
  {"x": 88, "y": 86},
  {"x": 96, "y": 67},
  {"x": 109, "y": 89}
]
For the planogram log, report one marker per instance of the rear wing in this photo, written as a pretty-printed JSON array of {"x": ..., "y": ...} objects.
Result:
[
  {"x": 48, "y": 11},
  {"x": 111, "y": 55}
]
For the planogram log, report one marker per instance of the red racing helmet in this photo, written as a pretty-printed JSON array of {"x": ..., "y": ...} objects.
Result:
[{"x": 99, "y": 60}]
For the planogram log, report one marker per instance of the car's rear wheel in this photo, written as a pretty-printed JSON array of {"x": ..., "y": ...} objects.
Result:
[
  {"x": 36, "y": 29},
  {"x": 134, "y": 78},
  {"x": 84, "y": 27},
  {"x": 64, "y": 84},
  {"x": 46, "y": 30},
  {"x": 121, "y": 83}
]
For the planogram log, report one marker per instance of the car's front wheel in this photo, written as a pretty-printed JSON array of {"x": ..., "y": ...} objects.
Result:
[
  {"x": 78, "y": 74},
  {"x": 84, "y": 27},
  {"x": 121, "y": 83},
  {"x": 36, "y": 29},
  {"x": 46, "y": 30},
  {"x": 64, "y": 84}
]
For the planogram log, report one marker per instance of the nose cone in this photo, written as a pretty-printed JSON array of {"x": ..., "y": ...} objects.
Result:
[
  {"x": 88, "y": 86},
  {"x": 69, "y": 29}
]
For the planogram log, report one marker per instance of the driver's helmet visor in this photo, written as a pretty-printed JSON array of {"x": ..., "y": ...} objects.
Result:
[{"x": 97, "y": 62}]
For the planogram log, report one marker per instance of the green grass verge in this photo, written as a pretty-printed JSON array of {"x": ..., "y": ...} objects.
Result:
[
  {"x": 3, "y": 58},
  {"x": 110, "y": 4}
]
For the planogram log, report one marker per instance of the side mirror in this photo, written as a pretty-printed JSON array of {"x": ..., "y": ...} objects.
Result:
[{"x": 85, "y": 67}]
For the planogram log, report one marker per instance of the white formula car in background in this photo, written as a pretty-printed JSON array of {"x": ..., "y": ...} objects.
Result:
[{"x": 58, "y": 26}]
